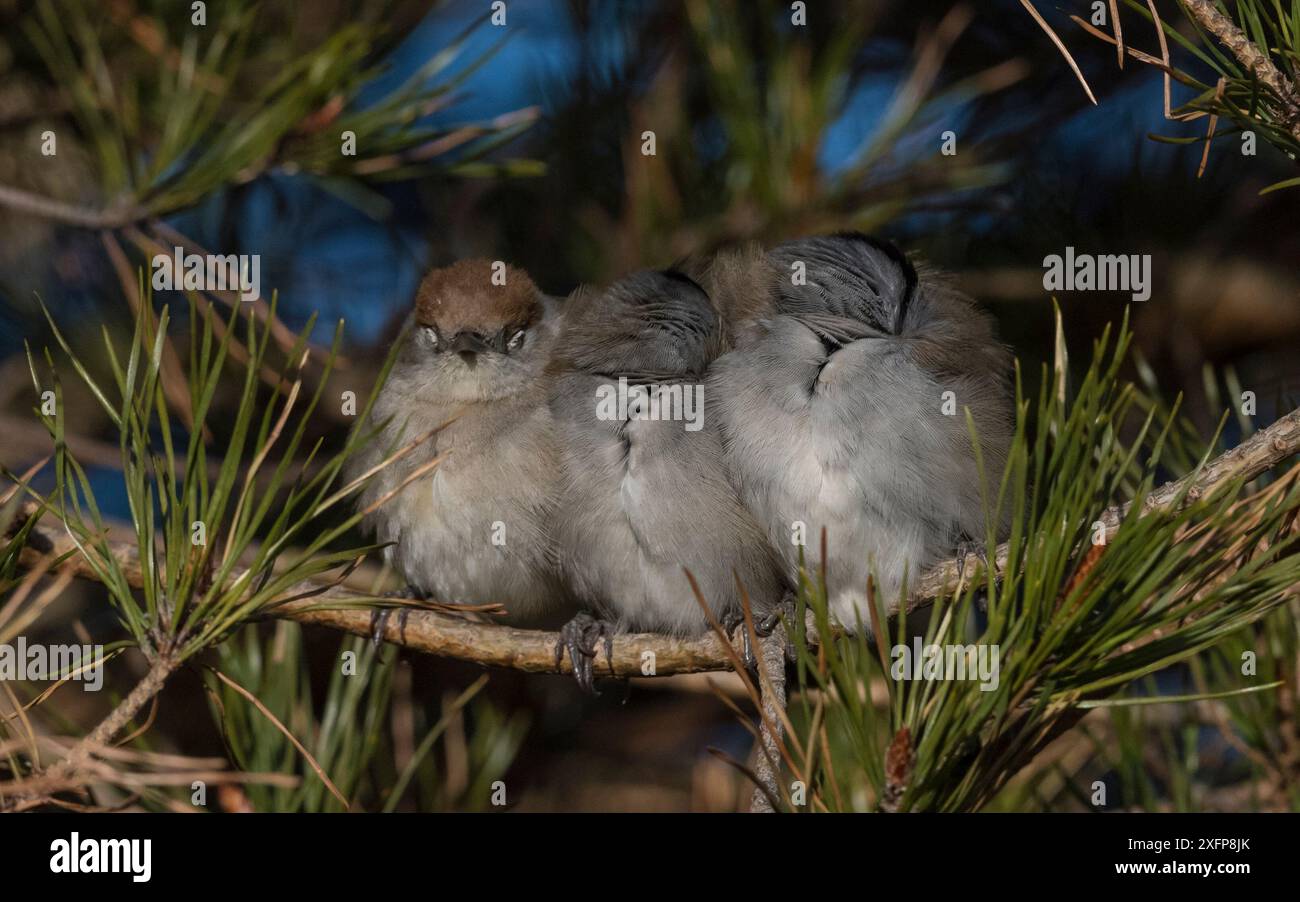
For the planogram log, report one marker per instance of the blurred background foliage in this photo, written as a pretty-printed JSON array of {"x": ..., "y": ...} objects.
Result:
[{"x": 525, "y": 142}]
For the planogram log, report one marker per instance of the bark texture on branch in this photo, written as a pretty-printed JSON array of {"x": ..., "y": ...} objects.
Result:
[
  {"x": 66, "y": 772},
  {"x": 432, "y": 632},
  {"x": 644, "y": 654},
  {"x": 70, "y": 214},
  {"x": 1256, "y": 455},
  {"x": 1256, "y": 61},
  {"x": 771, "y": 658}
]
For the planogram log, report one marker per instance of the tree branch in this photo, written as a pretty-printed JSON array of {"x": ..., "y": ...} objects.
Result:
[
  {"x": 1256, "y": 455},
  {"x": 1255, "y": 60},
  {"x": 533, "y": 651},
  {"x": 65, "y": 773},
  {"x": 431, "y": 632},
  {"x": 69, "y": 214},
  {"x": 771, "y": 657}
]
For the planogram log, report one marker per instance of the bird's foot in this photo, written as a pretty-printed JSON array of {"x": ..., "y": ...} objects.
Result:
[
  {"x": 730, "y": 621},
  {"x": 763, "y": 628},
  {"x": 579, "y": 636},
  {"x": 379, "y": 616},
  {"x": 967, "y": 548},
  {"x": 970, "y": 548},
  {"x": 785, "y": 611}
]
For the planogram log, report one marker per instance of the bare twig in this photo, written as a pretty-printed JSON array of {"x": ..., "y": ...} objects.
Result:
[
  {"x": 75, "y": 768},
  {"x": 127, "y": 768},
  {"x": 69, "y": 214}
]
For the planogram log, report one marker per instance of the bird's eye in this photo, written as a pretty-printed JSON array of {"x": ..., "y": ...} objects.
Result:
[
  {"x": 516, "y": 341},
  {"x": 431, "y": 336}
]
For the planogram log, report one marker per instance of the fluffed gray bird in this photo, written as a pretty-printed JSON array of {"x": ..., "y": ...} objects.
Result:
[
  {"x": 645, "y": 496},
  {"x": 834, "y": 410},
  {"x": 478, "y": 528}
]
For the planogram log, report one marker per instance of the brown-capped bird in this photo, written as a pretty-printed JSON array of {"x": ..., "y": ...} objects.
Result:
[{"x": 476, "y": 530}]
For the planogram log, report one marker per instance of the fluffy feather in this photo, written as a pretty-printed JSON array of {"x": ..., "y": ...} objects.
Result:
[
  {"x": 644, "y": 500},
  {"x": 501, "y": 478},
  {"x": 831, "y": 409}
]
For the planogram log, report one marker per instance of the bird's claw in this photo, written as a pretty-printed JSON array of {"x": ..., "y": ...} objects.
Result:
[
  {"x": 379, "y": 617},
  {"x": 579, "y": 637},
  {"x": 763, "y": 628},
  {"x": 379, "y": 625},
  {"x": 730, "y": 621},
  {"x": 968, "y": 548},
  {"x": 769, "y": 623},
  {"x": 785, "y": 611}
]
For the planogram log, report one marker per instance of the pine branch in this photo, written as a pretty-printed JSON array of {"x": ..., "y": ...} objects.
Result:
[
  {"x": 70, "y": 214},
  {"x": 771, "y": 653},
  {"x": 1256, "y": 61},
  {"x": 431, "y": 632},
  {"x": 1256, "y": 455},
  {"x": 65, "y": 773},
  {"x": 533, "y": 651}
]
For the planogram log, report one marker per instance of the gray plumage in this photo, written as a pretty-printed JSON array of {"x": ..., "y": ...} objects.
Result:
[
  {"x": 831, "y": 406},
  {"x": 478, "y": 529},
  {"x": 645, "y": 498}
]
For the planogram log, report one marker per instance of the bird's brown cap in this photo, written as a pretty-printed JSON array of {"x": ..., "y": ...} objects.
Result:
[{"x": 462, "y": 297}]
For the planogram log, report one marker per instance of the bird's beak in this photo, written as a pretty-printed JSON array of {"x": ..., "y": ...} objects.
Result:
[{"x": 469, "y": 343}]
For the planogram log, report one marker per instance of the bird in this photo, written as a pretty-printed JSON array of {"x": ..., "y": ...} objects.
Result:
[
  {"x": 841, "y": 407},
  {"x": 644, "y": 498},
  {"x": 475, "y": 530}
]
